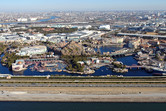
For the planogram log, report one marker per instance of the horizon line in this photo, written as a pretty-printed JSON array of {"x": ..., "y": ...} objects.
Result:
[{"x": 1, "y": 11}]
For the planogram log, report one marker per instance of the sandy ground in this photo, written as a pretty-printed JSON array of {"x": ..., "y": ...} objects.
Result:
[{"x": 83, "y": 94}]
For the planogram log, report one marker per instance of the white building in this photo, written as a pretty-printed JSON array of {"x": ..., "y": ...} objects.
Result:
[
  {"x": 22, "y": 20},
  {"x": 29, "y": 51},
  {"x": 72, "y": 36},
  {"x": 18, "y": 65},
  {"x": 32, "y": 19},
  {"x": 82, "y": 26},
  {"x": 105, "y": 27}
]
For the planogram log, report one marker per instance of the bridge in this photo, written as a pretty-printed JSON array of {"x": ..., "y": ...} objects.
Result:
[
  {"x": 136, "y": 66},
  {"x": 141, "y": 35}
]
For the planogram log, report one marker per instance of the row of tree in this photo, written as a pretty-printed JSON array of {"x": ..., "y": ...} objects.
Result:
[
  {"x": 119, "y": 65},
  {"x": 57, "y": 30},
  {"x": 2, "y": 48},
  {"x": 10, "y": 58}
]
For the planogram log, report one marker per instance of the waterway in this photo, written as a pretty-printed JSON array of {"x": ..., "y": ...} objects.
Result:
[
  {"x": 45, "y": 20},
  {"x": 103, "y": 71},
  {"x": 71, "y": 106},
  {"x": 41, "y": 20}
]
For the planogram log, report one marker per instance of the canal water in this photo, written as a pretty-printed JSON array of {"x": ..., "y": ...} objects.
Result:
[
  {"x": 41, "y": 20},
  {"x": 103, "y": 71},
  {"x": 72, "y": 106},
  {"x": 46, "y": 20}
]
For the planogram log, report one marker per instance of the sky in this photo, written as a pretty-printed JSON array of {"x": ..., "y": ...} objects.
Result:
[{"x": 81, "y": 5}]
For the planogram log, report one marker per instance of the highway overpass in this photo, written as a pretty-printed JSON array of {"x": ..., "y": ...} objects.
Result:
[{"x": 141, "y": 35}]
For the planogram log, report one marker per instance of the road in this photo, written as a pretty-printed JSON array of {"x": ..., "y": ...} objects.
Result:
[{"x": 78, "y": 85}]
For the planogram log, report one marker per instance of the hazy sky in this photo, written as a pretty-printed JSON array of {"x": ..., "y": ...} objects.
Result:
[{"x": 81, "y": 5}]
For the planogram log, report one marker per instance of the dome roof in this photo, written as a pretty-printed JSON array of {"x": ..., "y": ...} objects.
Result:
[{"x": 19, "y": 63}]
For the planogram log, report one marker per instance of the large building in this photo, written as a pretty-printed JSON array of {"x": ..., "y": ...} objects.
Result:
[
  {"x": 105, "y": 27},
  {"x": 22, "y": 20},
  {"x": 117, "y": 40},
  {"x": 29, "y": 51},
  {"x": 75, "y": 36},
  {"x": 134, "y": 43},
  {"x": 18, "y": 65}
]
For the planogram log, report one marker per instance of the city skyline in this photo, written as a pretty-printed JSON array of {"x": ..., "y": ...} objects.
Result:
[{"x": 77, "y": 5}]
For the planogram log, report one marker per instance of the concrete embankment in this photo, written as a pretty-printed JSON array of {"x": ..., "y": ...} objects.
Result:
[{"x": 86, "y": 94}]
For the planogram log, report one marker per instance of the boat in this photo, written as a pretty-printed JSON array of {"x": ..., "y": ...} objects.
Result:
[
  {"x": 5, "y": 75},
  {"x": 41, "y": 70},
  {"x": 60, "y": 70},
  {"x": 18, "y": 69},
  {"x": 159, "y": 70},
  {"x": 51, "y": 70},
  {"x": 159, "y": 74},
  {"x": 4, "y": 64}
]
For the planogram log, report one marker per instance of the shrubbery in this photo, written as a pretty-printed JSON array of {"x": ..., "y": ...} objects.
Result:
[{"x": 72, "y": 62}]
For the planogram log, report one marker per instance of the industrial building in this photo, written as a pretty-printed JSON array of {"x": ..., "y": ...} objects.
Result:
[{"x": 55, "y": 38}]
